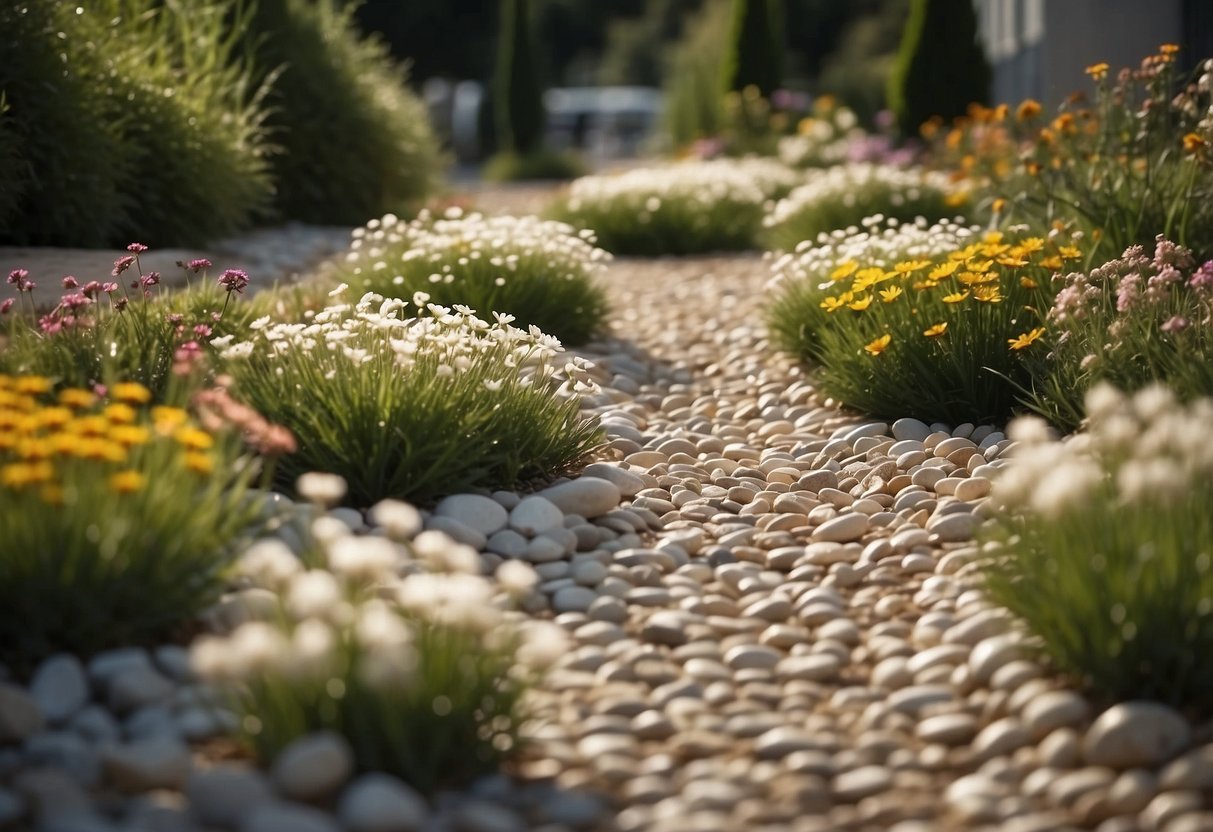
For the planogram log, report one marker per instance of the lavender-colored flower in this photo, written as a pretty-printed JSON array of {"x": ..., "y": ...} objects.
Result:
[
  {"x": 122, "y": 264},
  {"x": 234, "y": 280},
  {"x": 1176, "y": 323},
  {"x": 198, "y": 264},
  {"x": 70, "y": 282},
  {"x": 136, "y": 248}
]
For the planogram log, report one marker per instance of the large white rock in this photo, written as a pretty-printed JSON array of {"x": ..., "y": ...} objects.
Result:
[
  {"x": 587, "y": 496},
  {"x": 627, "y": 482},
  {"x": 1137, "y": 733},
  {"x": 483, "y": 514},
  {"x": 313, "y": 767},
  {"x": 534, "y": 515},
  {"x": 60, "y": 687},
  {"x": 381, "y": 803}
]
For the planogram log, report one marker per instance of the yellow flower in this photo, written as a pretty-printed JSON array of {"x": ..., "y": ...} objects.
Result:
[
  {"x": 908, "y": 266},
  {"x": 1052, "y": 263},
  {"x": 998, "y": 205},
  {"x": 1168, "y": 49},
  {"x": 54, "y": 417},
  {"x": 120, "y": 414},
  {"x": 1193, "y": 143},
  {"x": 88, "y": 426},
  {"x": 127, "y": 482},
  {"x": 76, "y": 397},
  {"x": 1028, "y": 245},
  {"x": 1026, "y": 339},
  {"x": 980, "y": 265},
  {"x": 987, "y": 294},
  {"x": 194, "y": 439},
  {"x": 1097, "y": 71},
  {"x": 944, "y": 270},
  {"x": 844, "y": 270},
  {"x": 878, "y": 346},
  {"x": 1012, "y": 262},
  {"x": 99, "y": 449},
  {"x": 867, "y": 278},
  {"x": 199, "y": 462},
  {"x": 956, "y": 199},
  {"x": 861, "y": 304},
  {"x": 168, "y": 418},
  {"x": 1027, "y": 282},
  {"x": 972, "y": 278},
  {"x": 832, "y": 304},
  {"x": 130, "y": 435},
  {"x": 956, "y": 297},
  {"x": 32, "y": 384},
  {"x": 890, "y": 294},
  {"x": 1028, "y": 109},
  {"x": 16, "y": 475},
  {"x": 131, "y": 391},
  {"x": 935, "y": 330},
  {"x": 1069, "y": 252}
]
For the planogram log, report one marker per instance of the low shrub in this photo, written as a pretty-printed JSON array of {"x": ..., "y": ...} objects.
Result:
[
  {"x": 402, "y": 648},
  {"x": 537, "y": 165},
  {"x": 411, "y": 407},
  {"x": 354, "y": 142},
  {"x": 685, "y": 208},
  {"x": 116, "y": 520},
  {"x": 841, "y": 196},
  {"x": 823, "y": 138},
  {"x": 539, "y": 272},
  {"x": 939, "y": 338},
  {"x": 126, "y": 327},
  {"x": 1103, "y": 545},
  {"x": 1135, "y": 320}
]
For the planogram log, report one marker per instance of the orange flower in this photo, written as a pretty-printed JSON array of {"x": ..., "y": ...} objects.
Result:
[
  {"x": 998, "y": 205},
  {"x": 127, "y": 482},
  {"x": 1097, "y": 71},
  {"x": 1028, "y": 109},
  {"x": 1193, "y": 143},
  {"x": 878, "y": 346}
]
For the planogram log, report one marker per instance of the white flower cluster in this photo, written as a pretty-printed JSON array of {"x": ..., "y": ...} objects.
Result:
[
  {"x": 880, "y": 242},
  {"x": 700, "y": 185},
  {"x": 821, "y": 141},
  {"x": 448, "y": 244},
  {"x": 1137, "y": 449},
  {"x": 858, "y": 182},
  {"x": 773, "y": 177},
  {"x": 377, "y": 332},
  {"x": 358, "y": 615}
]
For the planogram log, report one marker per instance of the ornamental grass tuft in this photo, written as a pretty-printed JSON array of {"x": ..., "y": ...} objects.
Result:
[
  {"x": 413, "y": 407},
  {"x": 539, "y": 272},
  {"x": 400, "y": 646},
  {"x": 841, "y": 196},
  {"x": 116, "y": 519},
  {"x": 1103, "y": 545},
  {"x": 940, "y": 336},
  {"x": 684, "y": 208},
  {"x": 1141, "y": 318}
]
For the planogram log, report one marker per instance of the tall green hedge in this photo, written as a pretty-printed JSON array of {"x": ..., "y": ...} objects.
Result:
[
  {"x": 353, "y": 141},
  {"x": 519, "y": 95},
  {"x": 941, "y": 67},
  {"x": 755, "y": 56}
]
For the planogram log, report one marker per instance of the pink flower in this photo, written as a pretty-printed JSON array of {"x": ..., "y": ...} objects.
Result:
[
  {"x": 120, "y": 304},
  {"x": 234, "y": 280},
  {"x": 74, "y": 301},
  {"x": 1175, "y": 324},
  {"x": 49, "y": 324},
  {"x": 70, "y": 282},
  {"x": 1128, "y": 292},
  {"x": 7, "y": 305},
  {"x": 149, "y": 280},
  {"x": 109, "y": 288},
  {"x": 17, "y": 277},
  {"x": 196, "y": 265},
  {"x": 1202, "y": 278},
  {"x": 136, "y": 248},
  {"x": 202, "y": 331},
  {"x": 122, "y": 264},
  {"x": 173, "y": 318}
]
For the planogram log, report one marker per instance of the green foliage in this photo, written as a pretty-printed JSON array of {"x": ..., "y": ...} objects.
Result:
[
  {"x": 539, "y": 165},
  {"x": 1103, "y": 546},
  {"x": 14, "y": 170},
  {"x": 693, "y": 104},
  {"x": 354, "y": 142},
  {"x": 423, "y": 675},
  {"x": 1131, "y": 322},
  {"x": 386, "y": 409},
  {"x": 941, "y": 67},
  {"x": 541, "y": 273},
  {"x": 755, "y": 54},
  {"x": 518, "y": 94},
  {"x": 119, "y": 531},
  {"x": 858, "y": 70}
]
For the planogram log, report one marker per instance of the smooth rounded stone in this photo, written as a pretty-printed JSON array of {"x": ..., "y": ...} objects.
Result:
[
  {"x": 1131, "y": 791},
  {"x": 911, "y": 700},
  {"x": 104, "y": 665},
  {"x": 628, "y": 482},
  {"x": 864, "y": 781},
  {"x": 689, "y": 540},
  {"x": 378, "y": 802},
  {"x": 835, "y": 497},
  {"x": 49, "y": 793},
  {"x": 1193, "y": 770},
  {"x": 752, "y": 657},
  {"x": 96, "y": 724},
  {"x": 457, "y": 530},
  {"x": 174, "y": 661},
  {"x": 543, "y": 549},
  {"x": 816, "y": 667},
  {"x": 1067, "y": 788},
  {"x": 1136, "y": 734},
  {"x": 775, "y": 609},
  {"x": 992, "y": 653},
  {"x": 220, "y": 796},
  {"x": 1054, "y": 709},
  {"x": 908, "y": 538},
  {"x": 666, "y": 627},
  {"x": 842, "y": 529},
  {"x": 1000, "y": 738},
  {"x": 828, "y": 553},
  {"x": 279, "y": 816},
  {"x": 607, "y": 608},
  {"x": 865, "y": 430},
  {"x": 941, "y": 654},
  {"x": 573, "y": 599},
  {"x": 843, "y": 630},
  {"x": 1189, "y": 821},
  {"x": 20, "y": 716},
  {"x": 12, "y": 807},
  {"x": 507, "y": 543},
  {"x": 66, "y": 750},
  {"x": 1060, "y": 749},
  {"x": 587, "y": 496},
  {"x": 892, "y": 673},
  {"x": 952, "y": 528},
  {"x": 778, "y": 743},
  {"x": 972, "y": 488},
  {"x": 947, "y": 729},
  {"x": 917, "y": 564},
  {"x": 946, "y": 447},
  {"x": 706, "y": 670},
  {"x": 475, "y": 511},
  {"x": 154, "y": 763},
  {"x": 59, "y": 687},
  {"x": 534, "y": 515},
  {"x": 905, "y": 429},
  {"x": 152, "y": 721},
  {"x": 652, "y": 725},
  {"x": 588, "y": 572},
  {"x": 927, "y": 477},
  {"x": 313, "y": 766}
]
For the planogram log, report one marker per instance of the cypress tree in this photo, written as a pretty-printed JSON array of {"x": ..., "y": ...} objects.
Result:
[
  {"x": 941, "y": 67},
  {"x": 518, "y": 96},
  {"x": 755, "y": 56}
]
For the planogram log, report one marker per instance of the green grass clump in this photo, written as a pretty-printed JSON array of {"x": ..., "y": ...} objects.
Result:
[
  {"x": 1141, "y": 318},
  {"x": 1105, "y": 545},
  {"x": 353, "y": 141},
  {"x": 539, "y": 272},
  {"x": 537, "y": 165},
  {"x": 423, "y": 675},
  {"x": 116, "y": 522},
  {"x": 411, "y": 407},
  {"x": 840, "y": 197},
  {"x": 686, "y": 208},
  {"x": 940, "y": 336}
]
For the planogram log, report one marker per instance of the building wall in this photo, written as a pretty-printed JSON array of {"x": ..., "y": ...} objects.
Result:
[{"x": 1039, "y": 48}]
